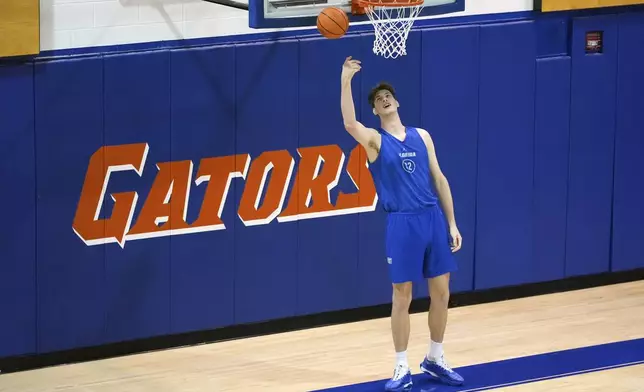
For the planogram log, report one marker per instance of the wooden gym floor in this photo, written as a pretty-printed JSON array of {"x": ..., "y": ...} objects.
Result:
[{"x": 586, "y": 340}]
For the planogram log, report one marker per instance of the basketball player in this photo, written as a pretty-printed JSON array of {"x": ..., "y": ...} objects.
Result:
[{"x": 420, "y": 237}]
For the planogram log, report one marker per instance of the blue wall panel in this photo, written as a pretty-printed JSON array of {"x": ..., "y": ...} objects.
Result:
[
  {"x": 592, "y": 132},
  {"x": 70, "y": 274},
  {"x": 203, "y": 127},
  {"x": 331, "y": 268},
  {"x": 552, "y": 121},
  {"x": 505, "y": 155},
  {"x": 137, "y": 109},
  {"x": 18, "y": 231},
  {"x": 267, "y": 120},
  {"x": 450, "y": 102},
  {"x": 552, "y": 35},
  {"x": 628, "y": 214}
]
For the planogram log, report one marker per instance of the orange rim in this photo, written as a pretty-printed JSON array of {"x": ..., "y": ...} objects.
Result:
[{"x": 388, "y": 3}]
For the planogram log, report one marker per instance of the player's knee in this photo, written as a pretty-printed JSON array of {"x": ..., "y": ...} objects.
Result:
[
  {"x": 439, "y": 297},
  {"x": 439, "y": 290},
  {"x": 402, "y": 295}
]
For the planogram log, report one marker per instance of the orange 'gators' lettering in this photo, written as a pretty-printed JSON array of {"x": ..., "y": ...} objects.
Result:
[
  {"x": 318, "y": 172},
  {"x": 104, "y": 162},
  {"x": 218, "y": 173},
  {"x": 167, "y": 203},
  {"x": 366, "y": 198},
  {"x": 314, "y": 184},
  {"x": 267, "y": 180},
  {"x": 280, "y": 166}
]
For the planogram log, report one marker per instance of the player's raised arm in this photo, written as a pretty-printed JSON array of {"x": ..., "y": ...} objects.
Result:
[{"x": 363, "y": 135}]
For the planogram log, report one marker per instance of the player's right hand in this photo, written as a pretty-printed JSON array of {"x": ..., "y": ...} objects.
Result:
[{"x": 350, "y": 67}]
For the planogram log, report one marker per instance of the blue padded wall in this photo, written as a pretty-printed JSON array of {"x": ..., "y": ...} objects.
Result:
[
  {"x": 551, "y": 136},
  {"x": 71, "y": 279},
  {"x": 505, "y": 155},
  {"x": 18, "y": 232},
  {"x": 138, "y": 280},
  {"x": 331, "y": 269},
  {"x": 592, "y": 133},
  {"x": 450, "y": 114},
  {"x": 628, "y": 213},
  {"x": 202, "y": 268},
  {"x": 552, "y": 31},
  {"x": 266, "y": 120},
  {"x": 540, "y": 141}
]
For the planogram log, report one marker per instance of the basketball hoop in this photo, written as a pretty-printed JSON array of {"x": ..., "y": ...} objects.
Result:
[{"x": 392, "y": 20}]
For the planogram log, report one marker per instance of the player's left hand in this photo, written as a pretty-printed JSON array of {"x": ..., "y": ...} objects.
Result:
[{"x": 457, "y": 240}]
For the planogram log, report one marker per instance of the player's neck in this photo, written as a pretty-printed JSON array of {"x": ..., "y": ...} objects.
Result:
[{"x": 392, "y": 124}]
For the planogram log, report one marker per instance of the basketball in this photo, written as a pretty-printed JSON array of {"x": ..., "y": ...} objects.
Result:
[{"x": 333, "y": 22}]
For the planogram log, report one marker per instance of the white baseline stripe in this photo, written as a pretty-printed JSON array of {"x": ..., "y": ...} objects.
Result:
[{"x": 554, "y": 376}]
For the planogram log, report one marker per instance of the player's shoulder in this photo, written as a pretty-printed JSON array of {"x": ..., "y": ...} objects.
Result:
[
  {"x": 421, "y": 130},
  {"x": 426, "y": 138},
  {"x": 423, "y": 133}
]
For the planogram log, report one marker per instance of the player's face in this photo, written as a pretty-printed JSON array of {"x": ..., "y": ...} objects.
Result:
[{"x": 385, "y": 103}]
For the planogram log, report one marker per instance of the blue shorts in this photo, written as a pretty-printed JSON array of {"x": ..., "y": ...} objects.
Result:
[{"x": 418, "y": 245}]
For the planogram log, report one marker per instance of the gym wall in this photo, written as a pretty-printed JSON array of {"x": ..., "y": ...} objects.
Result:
[{"x": 541, "y": 143}]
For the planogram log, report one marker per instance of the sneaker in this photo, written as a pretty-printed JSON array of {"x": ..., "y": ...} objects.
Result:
[
  {"x": 440, "y": 370},
  {"x": 401, "y": 381}
]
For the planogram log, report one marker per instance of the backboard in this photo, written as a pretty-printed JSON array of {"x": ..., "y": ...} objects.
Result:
[{"x": 301, "y": 13}]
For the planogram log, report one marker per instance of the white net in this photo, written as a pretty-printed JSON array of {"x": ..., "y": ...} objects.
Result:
[{"x": 392, "y": 26}]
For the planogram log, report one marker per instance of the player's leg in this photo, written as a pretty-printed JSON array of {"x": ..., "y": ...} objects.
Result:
[
  {"x": 437, "y": 317},
  {"x": 439, "y": 264},
  {"x": 400, "y": 329},
  {"x": 400, "y": 326},
  {"x": 405, "y": 255}
]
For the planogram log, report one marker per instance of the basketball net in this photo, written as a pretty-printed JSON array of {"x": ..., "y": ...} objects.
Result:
[{"x": 392, "y": 20}]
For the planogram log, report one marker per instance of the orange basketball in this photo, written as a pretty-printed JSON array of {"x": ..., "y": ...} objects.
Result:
[{"x": 333, "y": 22}]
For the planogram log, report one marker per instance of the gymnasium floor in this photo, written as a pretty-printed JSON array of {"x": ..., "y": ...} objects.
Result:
[{"x": 587, "y": 340}]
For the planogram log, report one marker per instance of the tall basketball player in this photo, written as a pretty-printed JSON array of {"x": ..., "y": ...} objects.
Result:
[{"x": 421, "y": 231}]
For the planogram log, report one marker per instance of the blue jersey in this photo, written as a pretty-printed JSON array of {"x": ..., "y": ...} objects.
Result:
[{"x": 401, "y": 173}]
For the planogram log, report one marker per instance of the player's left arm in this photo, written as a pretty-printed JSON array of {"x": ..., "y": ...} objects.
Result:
[{"x": 442, "y": 188}]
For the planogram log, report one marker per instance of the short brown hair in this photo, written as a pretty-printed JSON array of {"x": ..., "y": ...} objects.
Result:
[{"x": 379, "y": 87}]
